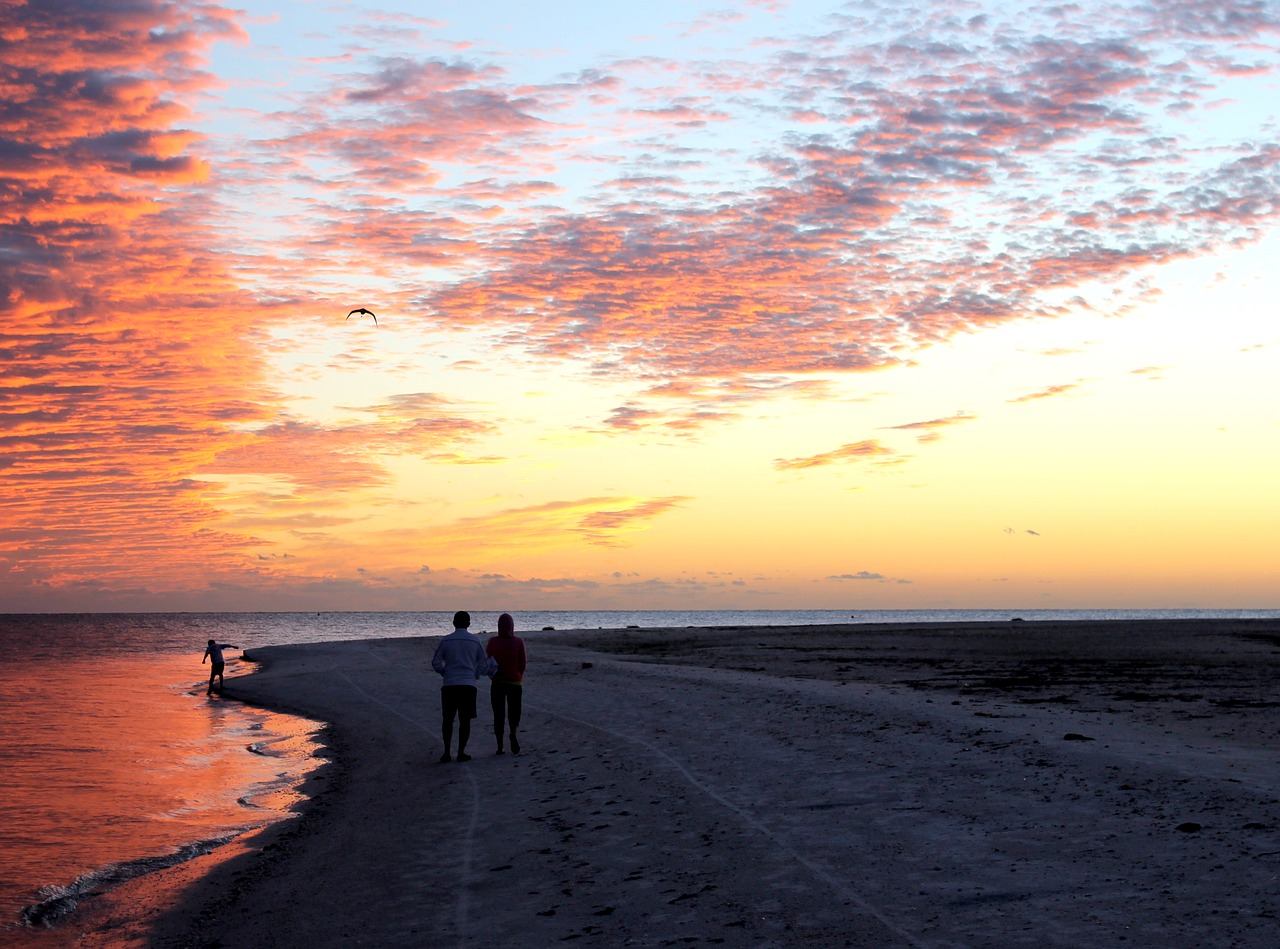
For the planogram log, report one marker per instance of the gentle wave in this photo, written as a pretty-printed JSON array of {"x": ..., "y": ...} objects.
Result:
[
  {"x": 59, "y": 901},
  {"x": 109, "y": 764}
]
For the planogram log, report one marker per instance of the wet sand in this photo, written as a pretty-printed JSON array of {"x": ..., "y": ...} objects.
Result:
[{"x": 990, "y": 784}]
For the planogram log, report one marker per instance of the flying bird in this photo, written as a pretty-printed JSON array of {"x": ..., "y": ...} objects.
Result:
[{"x": 362, "y": 311}]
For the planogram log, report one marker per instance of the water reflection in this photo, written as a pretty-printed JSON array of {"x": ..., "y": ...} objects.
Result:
[{"x": 111, "y": 760}]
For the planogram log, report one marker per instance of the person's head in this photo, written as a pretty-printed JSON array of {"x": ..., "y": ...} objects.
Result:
[
  {"x": 211, "y": 642},
  {"x": 461, "y": 619},
  {"x": 506, "y": 625}
]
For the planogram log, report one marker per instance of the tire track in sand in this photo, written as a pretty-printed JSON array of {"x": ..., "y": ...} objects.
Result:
[
  {"x": 746, "y": 817},
  {"x": 462, "y": 905}
]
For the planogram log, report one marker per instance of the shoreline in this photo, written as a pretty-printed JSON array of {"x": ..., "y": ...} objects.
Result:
[
  {"x": 114, "y": 905},
  {"x": 1004, "y": 681}
]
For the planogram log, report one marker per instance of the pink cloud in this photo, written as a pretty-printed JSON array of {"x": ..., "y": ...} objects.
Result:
[
  {"x": 717, "y": 232},
  {"x": 851, "y": 242}
]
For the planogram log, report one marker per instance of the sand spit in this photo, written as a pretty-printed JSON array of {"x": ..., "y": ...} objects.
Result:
[{"x": 1012, "y": 784}]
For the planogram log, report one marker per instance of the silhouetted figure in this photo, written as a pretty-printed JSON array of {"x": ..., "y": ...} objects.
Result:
[
  {"x": 507, "y": 650},
  {"x": 363, "y": 312},
  {"x": 213, "y": 652},
  {"x": 461, "y": 661}
]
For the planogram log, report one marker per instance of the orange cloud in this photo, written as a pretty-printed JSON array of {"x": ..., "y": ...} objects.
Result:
[
  {"x": 867, "y": 192},
  {"x": 336, "y": 458},
  {"x": 936, "y": 423},
  {"x": 1047, "y": 392},
  {"x": 600, "y": 521},
  {"x": 850, "y": 452},
  {"x": 604, "y": 527},
  {"x": 134, "y": 371}
]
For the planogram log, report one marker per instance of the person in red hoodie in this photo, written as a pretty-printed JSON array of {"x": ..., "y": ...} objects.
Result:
[{"x": 505, "y": 691}]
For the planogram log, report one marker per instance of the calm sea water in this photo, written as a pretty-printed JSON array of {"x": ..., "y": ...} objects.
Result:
[{"x": 114, "y": 762}]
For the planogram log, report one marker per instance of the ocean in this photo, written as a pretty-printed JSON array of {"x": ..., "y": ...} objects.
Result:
[{"x": 114, "y": 762}]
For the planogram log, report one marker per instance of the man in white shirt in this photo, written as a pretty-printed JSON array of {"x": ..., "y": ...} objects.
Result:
[{"x": 461, "y": 660}]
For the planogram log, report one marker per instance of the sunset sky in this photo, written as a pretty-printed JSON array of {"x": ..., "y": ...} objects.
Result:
[{"x": 749, "y": 305}]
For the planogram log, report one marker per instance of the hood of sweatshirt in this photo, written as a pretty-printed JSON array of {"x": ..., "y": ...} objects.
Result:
[{"x": 506, "y": 626}]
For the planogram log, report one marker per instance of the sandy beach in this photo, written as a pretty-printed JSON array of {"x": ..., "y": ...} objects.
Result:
[{"x": 1001, "y": 784}]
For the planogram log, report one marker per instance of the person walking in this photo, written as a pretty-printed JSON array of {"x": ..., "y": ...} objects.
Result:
[
  {"x": 460, "y": 660},
  {"x": 213, "y": 652},
  {"x": 505, "y": 692}
]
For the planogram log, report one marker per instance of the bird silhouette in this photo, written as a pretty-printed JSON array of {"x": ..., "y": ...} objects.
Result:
[{"x": 362, "y": 311}]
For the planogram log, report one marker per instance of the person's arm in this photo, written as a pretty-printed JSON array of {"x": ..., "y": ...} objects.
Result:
[
  {"x": 204, "y": 657},
  {"x": 485, "y": 665},
  {"x": 437, "y": 661},
  {"x": 522, "y": 659}
]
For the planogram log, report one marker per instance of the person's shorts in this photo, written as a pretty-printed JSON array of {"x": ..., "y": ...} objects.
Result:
[
  {"x": 216, "y": 668},
  {"x": 458, "y": 700}
]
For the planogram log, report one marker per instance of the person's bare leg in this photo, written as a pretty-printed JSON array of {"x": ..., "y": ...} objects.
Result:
[
  {"x": 464, "y": 732},
  {"x": 514, "y": 706},
  {"x": 499, "y": 714}
]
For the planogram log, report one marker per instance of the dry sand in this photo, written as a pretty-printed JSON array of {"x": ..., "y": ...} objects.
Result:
[{"x": 1012, "y": 784}]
